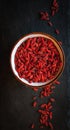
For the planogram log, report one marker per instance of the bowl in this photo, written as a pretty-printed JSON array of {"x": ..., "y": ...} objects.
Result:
[{"x": 23, "y": 39}]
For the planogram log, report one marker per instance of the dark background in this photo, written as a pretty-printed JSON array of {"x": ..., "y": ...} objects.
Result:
[{"x": 17, "y": 18}]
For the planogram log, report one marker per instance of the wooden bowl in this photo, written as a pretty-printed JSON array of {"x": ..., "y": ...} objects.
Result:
[{"x": 32, "y": 35}]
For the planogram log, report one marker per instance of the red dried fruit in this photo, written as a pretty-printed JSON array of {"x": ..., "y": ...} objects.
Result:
[
  {"x": 35, "y": 89},
  {"x": 57, "y": 31},
  {"x": 52, "y": 87},
  {"x": 44, "y": 16},
  {"x": 60, "y": 42},
  {"x": 50, "y": 23},
  {"x": 45, "y": 113},
  {"x": 47, "y": 91},
  {"x": 50, "y": 115},
  {"x": 37, "y": 60},
  {"x": 34, "y": 97},
  {"x": 54, "y": 7},
  {"x": 51, "y": 126},
  {"x": 33, "y": 125},
  {"x": 49, "y": 105},
  {"x": 43, "y": 105},
  {"x": 34, "y": 104},
  {"x": 56, "y": 82},
  {"x": 52, "y": 99}
]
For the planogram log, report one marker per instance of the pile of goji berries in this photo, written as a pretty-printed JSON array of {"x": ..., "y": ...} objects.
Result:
[
  {"x": 45, "y": 109},
  {"x": 44, "y": 15},
  {"x": 45, "y": 114},
  {"x": 37, "y": 60}
]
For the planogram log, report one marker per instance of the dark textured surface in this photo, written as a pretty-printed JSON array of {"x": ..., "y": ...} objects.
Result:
[
  {"x": 68, "y": 69},
  {"x": 17, "y": 18}
]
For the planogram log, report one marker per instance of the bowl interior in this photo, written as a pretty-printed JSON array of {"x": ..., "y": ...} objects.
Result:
[{"x": 23, "y": 40}]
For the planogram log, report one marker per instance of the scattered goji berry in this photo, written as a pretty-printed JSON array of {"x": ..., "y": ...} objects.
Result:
[
  {"x": 57, "y": 31},
  {"x": 47, "y": 91},
  {"x": 34, "y": 104},
  {"x": 54, "y": 7},
  {"x": 33, "y": 125},
  {"x": 35, "y": 89},
  {"x": 56, "y": 82},
  {"x": 44, "y": 15},
  {"x": 50, "y": 23},
  {"x": 60, "y": 42},
  {"x": 51, "y": 126},
  {"x": 52, "y": 99},
  {"x": 50, "y": 115},
  {"x": 34, "y": 97}
]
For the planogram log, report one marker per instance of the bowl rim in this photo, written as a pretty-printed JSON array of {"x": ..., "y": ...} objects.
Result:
[{"x": 63, "y": 65}]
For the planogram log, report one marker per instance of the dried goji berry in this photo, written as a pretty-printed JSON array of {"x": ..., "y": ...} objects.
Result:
[
  {"x": 50, "y": 23},
  {"x": 56, "y": 82},
  {"x": 57, "y": 31},
  {"x": 51, "y": 126},
  {"x": 54, "y": 7},
  {"x": 35, "y": 89},
  {"x": 52, "y": 99},
  {"x": 34, "y": 97},
  {"x": 50, "y": 115},
  {"x": 44, "y": 15},
  {"x": 60, "y": 42},
  {"x": 34, "y": 104},
  {"x": 33, "y": 125}
]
